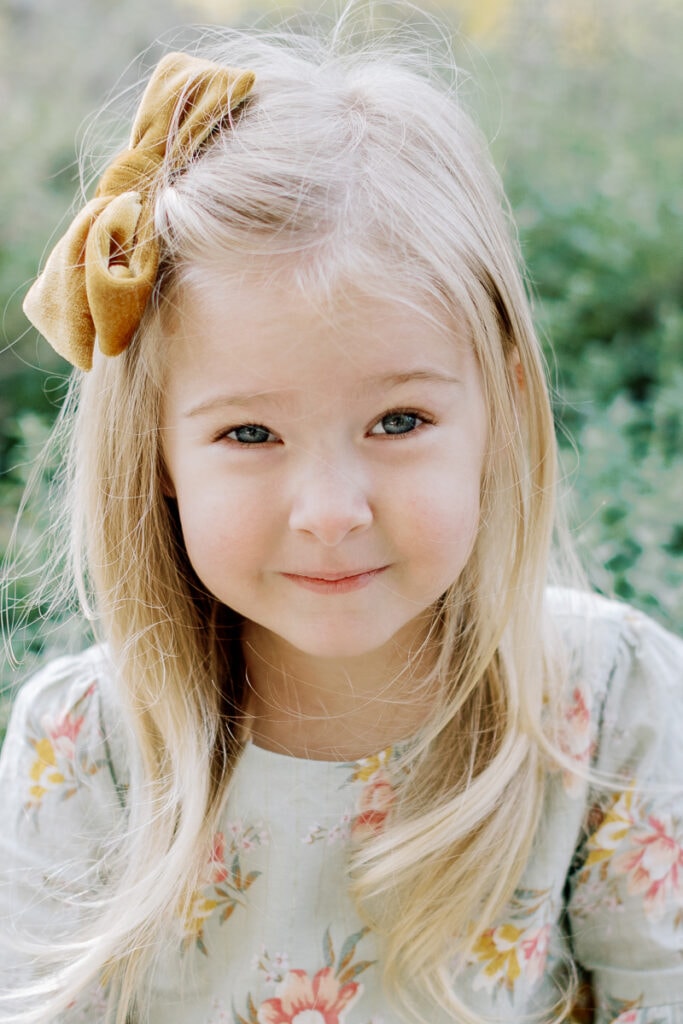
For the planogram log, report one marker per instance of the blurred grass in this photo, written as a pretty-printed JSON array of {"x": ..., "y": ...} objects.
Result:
[{"x": 581, "y": 103}]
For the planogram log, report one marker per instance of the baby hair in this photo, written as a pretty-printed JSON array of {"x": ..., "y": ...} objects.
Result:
[{"x": 346, "y": 171}]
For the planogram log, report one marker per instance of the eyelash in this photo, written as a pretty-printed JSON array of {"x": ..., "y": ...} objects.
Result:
[
  {"x": 225, "y": 435},
  {"x": 422, "y": 419}
]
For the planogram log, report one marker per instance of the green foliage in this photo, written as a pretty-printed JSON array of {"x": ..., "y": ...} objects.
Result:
[
  {"x": 23, "y": 435},
  {"x": 588, "y": 144},
  {"x": 628, "y": 506},
  {"x": 27, "y": 620}
]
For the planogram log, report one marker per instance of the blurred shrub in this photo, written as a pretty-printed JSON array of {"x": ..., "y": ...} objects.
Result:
[
  {"x": 33, "y": 629},
  {"x": 21, "y": 615},
  {"x": 628, "y": 511},
  {"x": 587, "y": 135}
]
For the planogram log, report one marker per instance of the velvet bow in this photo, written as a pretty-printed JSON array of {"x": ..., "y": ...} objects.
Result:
[{"x": 99, "y": 276}]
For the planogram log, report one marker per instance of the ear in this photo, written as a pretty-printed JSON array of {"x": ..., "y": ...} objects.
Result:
[{"x": 517, "y": 369}]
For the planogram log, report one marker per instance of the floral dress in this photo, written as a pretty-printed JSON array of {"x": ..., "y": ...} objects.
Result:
[{"x": 272, "y": 936}]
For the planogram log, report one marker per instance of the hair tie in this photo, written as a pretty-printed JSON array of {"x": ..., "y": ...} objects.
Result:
[{"x": 99, "y": 276}]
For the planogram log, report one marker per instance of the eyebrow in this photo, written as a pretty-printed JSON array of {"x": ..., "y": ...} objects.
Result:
[
  {"x": 427, "y": 375},
  {"x": 277, "y": 397},
  {"x": 239, "y": 398}
]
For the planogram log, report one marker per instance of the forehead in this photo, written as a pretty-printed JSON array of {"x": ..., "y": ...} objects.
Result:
[{"x": 270, "y": 329}]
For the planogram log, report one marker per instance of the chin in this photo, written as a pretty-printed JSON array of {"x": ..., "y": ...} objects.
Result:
[{"x": 339, "y": 645}]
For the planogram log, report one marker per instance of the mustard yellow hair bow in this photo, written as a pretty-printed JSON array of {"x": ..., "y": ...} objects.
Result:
[{"x": 99, "y": 276}]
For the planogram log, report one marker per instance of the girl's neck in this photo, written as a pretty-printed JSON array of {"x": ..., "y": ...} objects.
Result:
[{"x": 335, "y": 709}]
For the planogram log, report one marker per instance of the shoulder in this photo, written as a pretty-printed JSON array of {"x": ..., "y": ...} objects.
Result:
[
  {"x": 607, "y": 630},
  {"x": 613, "y": 645},
  {"x": 625, "y": 888},
  {"x": 66, "y": 682},
  {"x": 66, "y": 734},
  {"x": 63, "y": 805},
  {"x": 626, "y": 671}
]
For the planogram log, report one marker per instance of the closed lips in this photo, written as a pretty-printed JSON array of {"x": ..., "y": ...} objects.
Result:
[{"x": 331, "y": 577}]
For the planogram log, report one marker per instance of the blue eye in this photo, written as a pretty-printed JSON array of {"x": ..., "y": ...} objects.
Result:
[
  {"x": 397, "y": 423},
  {"x": 250, "y": 433}
]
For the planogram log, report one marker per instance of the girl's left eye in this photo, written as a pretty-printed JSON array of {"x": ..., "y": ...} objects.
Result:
[
  {"x": 250, "y": 434},
  {"x": 397, "y": 423}
]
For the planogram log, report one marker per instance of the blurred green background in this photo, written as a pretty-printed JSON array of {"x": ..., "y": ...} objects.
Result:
[{"x": 581, "y": 103}]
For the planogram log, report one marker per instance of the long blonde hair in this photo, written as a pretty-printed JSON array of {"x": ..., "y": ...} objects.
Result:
[{"x": 352, "y": 168}]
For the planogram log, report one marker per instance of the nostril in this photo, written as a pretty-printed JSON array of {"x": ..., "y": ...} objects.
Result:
[{"x": 330, "y": 513}]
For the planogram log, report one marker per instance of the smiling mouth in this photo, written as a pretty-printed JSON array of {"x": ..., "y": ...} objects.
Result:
[
  {"x": 333, "y": 577},
  {"x": 335, "y": 582}
]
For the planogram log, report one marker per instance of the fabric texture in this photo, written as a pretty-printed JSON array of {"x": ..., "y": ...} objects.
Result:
[
  {"x": 273, "y": 938},
  {"x": 99, "y": 276}
]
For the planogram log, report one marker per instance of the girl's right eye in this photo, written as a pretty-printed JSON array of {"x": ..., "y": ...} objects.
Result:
[{"x": 250, "y": 434}]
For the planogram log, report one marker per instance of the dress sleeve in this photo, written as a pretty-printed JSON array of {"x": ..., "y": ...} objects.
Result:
[
  {"x": 625, "y": 907},
  {"x": 61, "y": 803}
]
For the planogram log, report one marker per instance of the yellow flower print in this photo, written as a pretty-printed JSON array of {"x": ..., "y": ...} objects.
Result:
[
  {"x": 58, "y": 765},
  {"x": 200, "y": 909},
  {"x": 225, "y": 884},
  {"x": 514, "y": 952},
  {"x": 612, "y": 830},
  {"x": 498, "y": 949},
  {"x": 368, "y": 767},
  {"x": 43, "y": 771}
]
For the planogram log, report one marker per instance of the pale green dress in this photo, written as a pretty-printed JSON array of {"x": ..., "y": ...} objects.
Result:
[{"x": 273, "y": 937}]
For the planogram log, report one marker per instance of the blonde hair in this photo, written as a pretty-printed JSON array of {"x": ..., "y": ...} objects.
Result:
[{"x": 347, "y": 169}]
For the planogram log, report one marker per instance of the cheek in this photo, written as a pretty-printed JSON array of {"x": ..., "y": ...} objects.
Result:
[
  {"x": 448, "y": 531},
  {"x": 222, "y": 529},
  {"x": 443, "y": 510},
  {"x": 444, "y": 517}
]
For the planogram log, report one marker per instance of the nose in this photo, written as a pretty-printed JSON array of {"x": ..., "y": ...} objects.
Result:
[{"x": 330, "y": 502}]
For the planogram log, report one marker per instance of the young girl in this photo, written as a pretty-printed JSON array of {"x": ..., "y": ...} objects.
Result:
[{"x": 342, "y": 757}]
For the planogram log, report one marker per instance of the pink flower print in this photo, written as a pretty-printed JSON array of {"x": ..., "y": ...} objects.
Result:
[
  {"x": 579, "y": 719},
  {"x": 340, "y": 831},
  {"x": 219, "y": 1013},
  {"x": 512, "y": 954},
  {"x": 575, "y": 739},
  {"x": 279, "y": 966},
  {"x": 333, "y": 834},
  {"x": 217, "y": 870},
  {"x": 245, "y": 838},
  {"x": 54, "y": 766},
  {"x": 374, "y": 805},
  {"x": 63, "y": 731},
  {"x": 274, "y": 967},
  {"x": 315, "y": 832},
  {"x": 654, "y": 866},
  {"x": 304, "y": 1000},
  {"x": 534, "y": 948},
  {"x": 624, "y": 1011}
]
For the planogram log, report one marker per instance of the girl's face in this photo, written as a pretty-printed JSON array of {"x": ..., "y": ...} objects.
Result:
[{"x": 326, "y": 467}]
